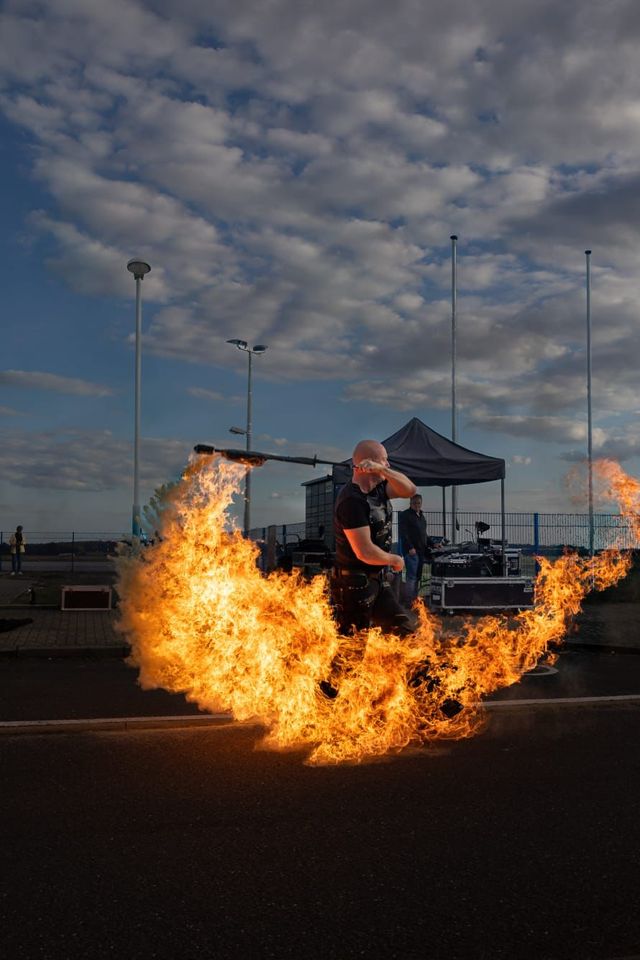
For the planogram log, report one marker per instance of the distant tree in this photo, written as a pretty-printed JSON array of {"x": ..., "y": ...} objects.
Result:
[{"x": 153, "y": 512}]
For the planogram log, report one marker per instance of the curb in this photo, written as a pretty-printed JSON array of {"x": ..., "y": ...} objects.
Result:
[
  {"x": 98, "y": 724},
  {"x": 562, "y": 701},
  {"x": 598, "y": 647},
  {"x": 226, "y": 720}
]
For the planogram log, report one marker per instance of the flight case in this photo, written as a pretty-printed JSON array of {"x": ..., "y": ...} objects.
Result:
[{"x": 481, "y": 593}]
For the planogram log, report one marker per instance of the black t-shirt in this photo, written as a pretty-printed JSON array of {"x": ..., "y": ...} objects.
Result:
[{"x": 356, "y": 509}]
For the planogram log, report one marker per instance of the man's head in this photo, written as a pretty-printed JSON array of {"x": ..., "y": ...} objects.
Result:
[
  {"x": 369, "y": 450},
  {"x": 416, "y": 503}
]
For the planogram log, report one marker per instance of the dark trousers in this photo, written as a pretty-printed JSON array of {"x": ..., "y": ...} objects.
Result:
[
  {"x": 16, "y": 562},
  {"x": 361, "y": 600}
]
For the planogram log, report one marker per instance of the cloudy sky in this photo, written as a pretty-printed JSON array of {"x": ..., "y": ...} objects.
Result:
[{"x": 293, "y": 172}]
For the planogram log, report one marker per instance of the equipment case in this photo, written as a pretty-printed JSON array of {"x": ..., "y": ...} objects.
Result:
[{"x": 482, "y": 593}]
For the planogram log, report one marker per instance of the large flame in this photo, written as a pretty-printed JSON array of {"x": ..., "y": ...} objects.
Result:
[{"x": 203, "y": 620}]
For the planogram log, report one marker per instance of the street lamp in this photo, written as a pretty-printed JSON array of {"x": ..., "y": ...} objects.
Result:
[
  {"x": 251, "y": 352},
  {"x": 139, "y": 269},
  {"x": 454, "y": 409},
  {"x": 587, "y": 254}
]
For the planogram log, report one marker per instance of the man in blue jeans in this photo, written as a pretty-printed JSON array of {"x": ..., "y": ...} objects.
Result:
[{"x": 412, "y": 530}]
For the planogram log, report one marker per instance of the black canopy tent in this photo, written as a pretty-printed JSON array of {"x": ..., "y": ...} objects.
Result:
[{"x": 431, "y": 460}]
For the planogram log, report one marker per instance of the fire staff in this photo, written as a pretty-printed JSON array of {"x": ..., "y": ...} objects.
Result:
[{"x": 361, "y": 591}]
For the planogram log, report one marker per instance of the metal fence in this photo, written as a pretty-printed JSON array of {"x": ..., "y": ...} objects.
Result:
[
  {"x": 544, "y": 533},
  {"x": 75, "y": 550},
  {"x": 538, "y": 532}
]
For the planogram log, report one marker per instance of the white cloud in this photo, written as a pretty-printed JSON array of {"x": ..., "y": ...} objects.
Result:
[
  {"x": 84, "y": 460},
  {"x": 298, "y": 177},
  {"x": 202, "y": 393},
  {"x": 36, "y": 380}
]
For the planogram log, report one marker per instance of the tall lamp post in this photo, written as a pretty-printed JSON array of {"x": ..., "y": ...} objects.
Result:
[
  {"x": 251, "y": 352},
  {"x": 587, "y": 254},
  {"x": 454, "y": 412},
  {"x": 139, "y": 269}
]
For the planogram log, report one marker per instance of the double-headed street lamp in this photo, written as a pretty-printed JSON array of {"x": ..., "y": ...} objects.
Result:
[
  {"x": 251, "y": 352},
  {"x": 139, "y": 269}
]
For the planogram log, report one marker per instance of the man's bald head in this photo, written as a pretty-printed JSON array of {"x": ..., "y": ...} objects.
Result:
[{"x": 369, "y": 450}]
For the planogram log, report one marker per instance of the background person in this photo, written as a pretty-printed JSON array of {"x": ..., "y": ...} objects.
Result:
[
  {"x": 17, "y": 544},
  {"x": 412, "y": 533}
]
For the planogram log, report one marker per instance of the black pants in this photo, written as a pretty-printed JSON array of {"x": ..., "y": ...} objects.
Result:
[{"x": 361, "y": 600}]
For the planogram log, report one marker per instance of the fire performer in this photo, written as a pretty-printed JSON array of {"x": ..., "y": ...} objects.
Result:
[
  {"x": 361, "y": 588},
  {"x": 361, "y": 584}
]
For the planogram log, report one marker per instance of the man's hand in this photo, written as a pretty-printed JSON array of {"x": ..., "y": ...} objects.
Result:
[
  {"x": 371, "y": 466},
  {"x": 396, "y": 563}
]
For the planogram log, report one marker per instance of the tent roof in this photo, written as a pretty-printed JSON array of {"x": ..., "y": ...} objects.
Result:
[{"x": 429, "y": 459}]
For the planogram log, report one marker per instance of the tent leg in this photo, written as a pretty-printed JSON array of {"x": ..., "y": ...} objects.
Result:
[
  {"x": 444, "y": 514},
  {"x": 504, "y": 539}
]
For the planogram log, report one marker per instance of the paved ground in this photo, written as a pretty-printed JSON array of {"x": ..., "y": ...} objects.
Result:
[
  {"x": 76, "y": 687},
  {"x": 613, "y": 626},
  {"x": 52, "y": 630},
  {"x": 521, "y": 843}
]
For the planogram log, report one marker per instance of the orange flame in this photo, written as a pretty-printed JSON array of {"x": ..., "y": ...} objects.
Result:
[{"x": 203, "y": 620}]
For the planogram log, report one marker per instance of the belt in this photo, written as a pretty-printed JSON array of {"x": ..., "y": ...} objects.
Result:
[{"x": 349, "y": 571}]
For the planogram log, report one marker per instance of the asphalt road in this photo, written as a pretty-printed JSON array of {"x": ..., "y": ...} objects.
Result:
[
  {"x": 55, "y": 689},
  {"x": 521, "y": 843}
]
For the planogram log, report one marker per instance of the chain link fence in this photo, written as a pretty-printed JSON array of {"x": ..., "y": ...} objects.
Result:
[
  {"x": 535, "y": 533},
  {"x": 75, "y": 550}
]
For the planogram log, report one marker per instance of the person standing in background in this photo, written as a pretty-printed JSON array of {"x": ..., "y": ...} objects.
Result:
[
  {"x": 412, "y": 530},
  {"x": 17, "y": 544}
]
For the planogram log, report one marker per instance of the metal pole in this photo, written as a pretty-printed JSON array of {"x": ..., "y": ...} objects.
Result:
[
  {"x": 444, "y": 514},
  {"x": 504, "y": 537},
  {"x": 589, "y": 417},
  {"x": 135, "y": 519},
  {"x": 454, "y": 431},
  {"x": 247, "y": 478}
]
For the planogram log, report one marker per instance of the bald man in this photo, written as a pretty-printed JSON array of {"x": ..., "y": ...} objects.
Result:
[{"x": 361, "y": 591}]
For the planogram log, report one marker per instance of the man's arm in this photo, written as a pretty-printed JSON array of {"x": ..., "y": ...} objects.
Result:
[
  {"x": 397, "y": 484},
  {"x": 367, "y": 552}
]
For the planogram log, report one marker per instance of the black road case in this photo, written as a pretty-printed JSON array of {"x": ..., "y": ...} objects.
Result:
[{"x": 481, "y": 593}]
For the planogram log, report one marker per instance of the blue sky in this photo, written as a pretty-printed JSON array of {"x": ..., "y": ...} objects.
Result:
[{"x": 293, "y": 173}]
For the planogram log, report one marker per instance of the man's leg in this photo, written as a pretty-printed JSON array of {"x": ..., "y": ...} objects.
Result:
[
  {"x": 390, "y": 615},
  {"x": 353, "y": 597},
  {"x": 411, "y": 562}
]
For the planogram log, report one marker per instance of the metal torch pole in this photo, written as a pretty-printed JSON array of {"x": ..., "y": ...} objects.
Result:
[
  {"x": 454, "y": 431},
  {"x": 135, "y": 519},
  {"x": 589, "y": 416},
  {"x": 247, "y": 477}
]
